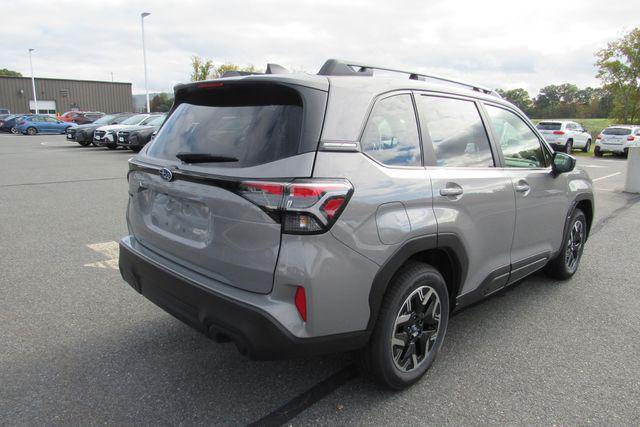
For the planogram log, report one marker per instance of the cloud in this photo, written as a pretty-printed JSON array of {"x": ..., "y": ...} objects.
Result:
[{"x": 496, "y": 43}]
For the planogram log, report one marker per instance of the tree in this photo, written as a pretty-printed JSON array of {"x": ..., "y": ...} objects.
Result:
[
  {"x": 161, "y": 103},
  {"x": 205, "y": 69},
  {"x": 201, "y": 68},
  {"x": 520, "y": 97},
  {"x": 9, "y": 73},
  {"x": 619, "y": 69}
]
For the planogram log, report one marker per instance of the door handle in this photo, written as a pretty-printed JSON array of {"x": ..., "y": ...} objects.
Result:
[
  {"x": 522, "y": 186},
  {"x": 451, "y": 191}
]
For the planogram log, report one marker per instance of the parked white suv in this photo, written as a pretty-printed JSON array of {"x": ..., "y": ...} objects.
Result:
[
  {"x": 617, "y": 139},
  {"x": 564, "y": 135}
]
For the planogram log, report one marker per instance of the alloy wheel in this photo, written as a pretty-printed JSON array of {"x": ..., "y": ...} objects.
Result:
[
  {"x": 416, "y": 329},
  {"x": 574, "y": 246}
]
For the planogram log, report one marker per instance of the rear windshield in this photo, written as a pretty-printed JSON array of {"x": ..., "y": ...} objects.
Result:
[
  {"x": 549, "y": 126},
  {"x": 617, "y": 131},
  {"x": 254, "y": 126}
]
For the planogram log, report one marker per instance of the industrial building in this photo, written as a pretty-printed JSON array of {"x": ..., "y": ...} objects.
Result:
[{"x": 60, "y": 95}]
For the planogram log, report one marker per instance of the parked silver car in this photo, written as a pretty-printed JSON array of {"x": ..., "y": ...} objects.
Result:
[{"x": 299, "y": 214}]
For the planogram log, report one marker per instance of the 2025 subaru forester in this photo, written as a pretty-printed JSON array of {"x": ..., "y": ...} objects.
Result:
[{"x": 299, "y": 214}]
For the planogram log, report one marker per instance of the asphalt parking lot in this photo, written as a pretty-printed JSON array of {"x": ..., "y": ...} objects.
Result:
[{"x": 79, "y": 346}]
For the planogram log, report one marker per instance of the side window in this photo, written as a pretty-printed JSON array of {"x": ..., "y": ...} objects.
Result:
[
  {"x": 391, "y": 135},
  {"x": 458, "y": 136},
  {"x": 520, "y": 146},
  {"x": 571, "y": 126}
]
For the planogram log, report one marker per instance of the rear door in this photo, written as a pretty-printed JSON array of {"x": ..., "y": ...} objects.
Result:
[
  {"x": 541, "y": 198},
  {"x": 215, "y": 215},
  {"x": 473, "y": 199}
]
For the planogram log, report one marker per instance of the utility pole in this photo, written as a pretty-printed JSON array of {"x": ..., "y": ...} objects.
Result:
[
  {"x": 33, "y": 82},
  {"x": 144, "y": 56}
]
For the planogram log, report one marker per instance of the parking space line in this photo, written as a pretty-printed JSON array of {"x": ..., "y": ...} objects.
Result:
[
  {"x": 606, "y": 176},
  {"x": 110, "y": 251}
]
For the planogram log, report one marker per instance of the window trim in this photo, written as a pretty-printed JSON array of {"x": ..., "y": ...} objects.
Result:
[
  {"x": 431, "y": 160},
  {"x": 373, "y": 104},
  {"x": 541, "y": 140}
]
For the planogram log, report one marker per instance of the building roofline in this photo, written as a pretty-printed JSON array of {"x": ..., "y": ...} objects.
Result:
[{"x": 67, "y": 80}]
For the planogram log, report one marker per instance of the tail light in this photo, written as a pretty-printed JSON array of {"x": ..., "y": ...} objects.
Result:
[
  {"x": 558, "y": 132},
  {"x": 599, "y": 137},
  {"x": 631, "y": 138},
  {"x": 308, "y": 206},
  {"x": 21, "y": 122}
]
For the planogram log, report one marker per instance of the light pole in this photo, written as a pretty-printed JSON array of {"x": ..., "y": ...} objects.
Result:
[
  {"x": 33, "y": 82},
  {"x": 144, "y": 56}
]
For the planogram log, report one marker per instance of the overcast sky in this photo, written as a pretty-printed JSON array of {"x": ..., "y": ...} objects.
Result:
[{"x": 502, "y": 44}]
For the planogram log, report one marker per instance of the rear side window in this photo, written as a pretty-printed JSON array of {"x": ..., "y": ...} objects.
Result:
[
  {"x": 520, "y": 146},
  {"x": 458, "y": 136},
  {"x": 549, "y": 126},
  {"x": 617, "y": 131},
  {"x": 253, "y": 126},
  {"x": 391, "y": 134}
]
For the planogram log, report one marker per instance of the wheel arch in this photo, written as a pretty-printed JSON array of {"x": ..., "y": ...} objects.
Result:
[{"x": 444, "y": 252}]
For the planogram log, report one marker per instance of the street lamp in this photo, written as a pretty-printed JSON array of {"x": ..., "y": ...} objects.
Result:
[
  {"x": 144, "y": 55},
  {"x": 33, "y": 82}
]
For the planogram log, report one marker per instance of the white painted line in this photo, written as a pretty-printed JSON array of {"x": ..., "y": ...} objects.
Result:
[
  {"x": 592, "y": 166},
  {"x": 606, "y": 176},
  {"x": 109, "y": 250}
]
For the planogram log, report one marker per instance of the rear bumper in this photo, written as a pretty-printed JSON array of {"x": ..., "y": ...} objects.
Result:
[
  {"x": 256, "y": 333},
  {"x": 611, "y": 148}
]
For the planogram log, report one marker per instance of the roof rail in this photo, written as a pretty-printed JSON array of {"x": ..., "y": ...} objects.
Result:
[{"x": 336, "y": 67}]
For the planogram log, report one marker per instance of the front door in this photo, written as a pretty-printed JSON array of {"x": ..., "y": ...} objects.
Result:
[{"x": 541, "y": 197}]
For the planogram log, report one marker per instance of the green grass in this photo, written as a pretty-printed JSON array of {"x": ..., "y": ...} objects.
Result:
[{"x": 593, "y": 126}]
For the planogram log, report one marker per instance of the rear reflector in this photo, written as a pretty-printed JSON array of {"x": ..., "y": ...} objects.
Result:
[
  {"x": 558, "y": 132},
  {"x": 301, "y": 302},
  {"x": 630, "y": 138},
  {"x": 599, "y": 137}
]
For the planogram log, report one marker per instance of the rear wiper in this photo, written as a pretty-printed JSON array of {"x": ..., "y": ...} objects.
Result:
[{"x": 204, "y": 158}]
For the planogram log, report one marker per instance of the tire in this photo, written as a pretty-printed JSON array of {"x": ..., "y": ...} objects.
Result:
[
  {"x": 32, "y": 131},
  {"x": 568, "y": 146},
  {"x": 587, "y": 146},
  {"x": 597, "y": 152},
  {"x": 135, "y": 149},
  {"x": 626, "y": 153},
  {"x": 111, "y": 146},
  {"x": 84, "y": 143},
  {"x": 390, "y": 361},
  {"x": 566, "y": 263}
]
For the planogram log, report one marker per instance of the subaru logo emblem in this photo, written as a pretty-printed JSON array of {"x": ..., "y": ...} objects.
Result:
[{"x": 166, "y": 174}]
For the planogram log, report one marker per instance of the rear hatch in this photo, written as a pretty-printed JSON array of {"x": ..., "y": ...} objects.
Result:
[
  {"x": 201, "y": 193},
  {"x": 615, "y": 135},
  {"x": 551, "y": 131}
]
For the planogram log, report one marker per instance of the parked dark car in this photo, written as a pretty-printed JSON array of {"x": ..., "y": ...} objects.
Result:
[
  {"x": 139, "y": 136},
  {"x": 8, "y": 124},
  {"x": 83, "y": 134}
]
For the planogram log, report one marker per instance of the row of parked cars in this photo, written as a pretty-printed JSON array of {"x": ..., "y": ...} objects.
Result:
[
  {"x": 128, "y": 130},
  {"x": 566, "y": 136}
]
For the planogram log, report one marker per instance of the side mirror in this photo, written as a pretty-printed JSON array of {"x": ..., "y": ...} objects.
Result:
[{"x": 563, "y": 163}]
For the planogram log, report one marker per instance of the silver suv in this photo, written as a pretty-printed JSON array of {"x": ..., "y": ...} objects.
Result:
[{"x": 298, "y": 214}]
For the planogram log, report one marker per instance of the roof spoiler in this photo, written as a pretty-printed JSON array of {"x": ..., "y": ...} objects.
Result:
[
  {"x": 271, "y": 69},
  {"x": 336, "y": 67}
]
